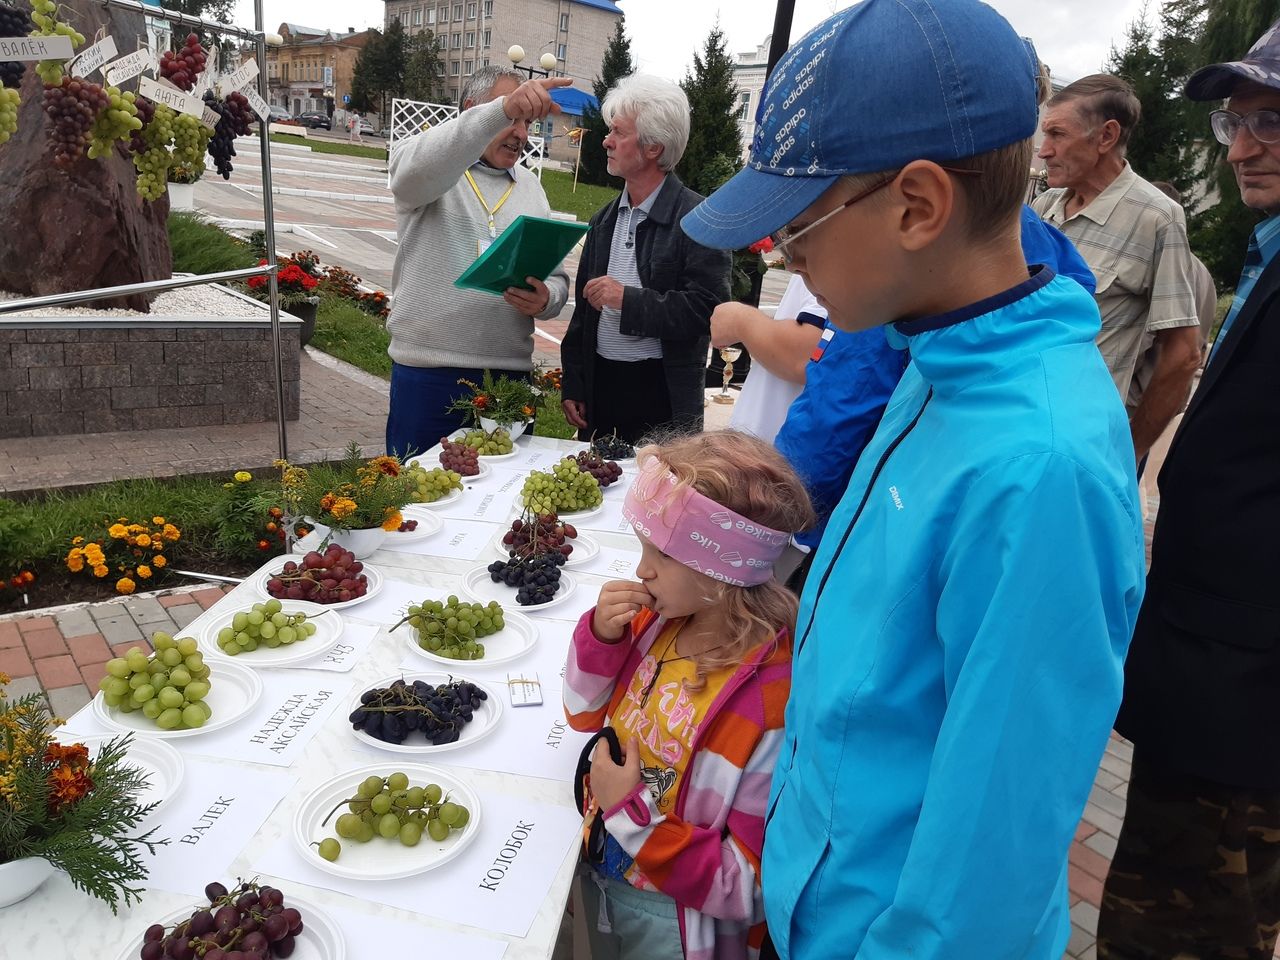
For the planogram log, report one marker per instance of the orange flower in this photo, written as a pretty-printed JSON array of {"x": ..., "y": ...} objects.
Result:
[
  {"x": 125, "y": 585},
  {"x": 343, "y": 507},
  {"x": 67, "y": 785},
  {"x": 393, "y": 521},
  {"x": 158, "y": 521},
  {"x": 276, "y": 512},
  {"x": 481, "y": 402},
  {"x": 144, "y": 540},
  {"x": 388, "y": 465},
  {"x": 75, "y": 755},
  {"x": 170, "y": 533},
  {"x": 118, "y": 531},
  {"x": 100, "y": 570},
  {"x": 144, "y": 572},
  {"x": 527, "y": 411},
  {"x": 271, "y": 528},
  {"x": 327, "y": 501},
  {"x": 263, "y": 545},
  {"x": 158, "y": 561},
  {"x": 28, "y": 576}
]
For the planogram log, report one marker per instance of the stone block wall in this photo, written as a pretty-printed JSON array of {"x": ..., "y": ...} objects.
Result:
[{"x": 96, "y": 379}]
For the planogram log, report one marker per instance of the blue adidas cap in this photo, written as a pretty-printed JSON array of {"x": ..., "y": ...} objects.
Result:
[{"x": 876, "y": 86}]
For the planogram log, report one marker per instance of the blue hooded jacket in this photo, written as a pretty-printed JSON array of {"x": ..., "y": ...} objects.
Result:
[{"x": 959, "y": 647}]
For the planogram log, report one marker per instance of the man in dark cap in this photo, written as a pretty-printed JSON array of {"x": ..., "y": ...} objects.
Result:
[{"x": 1197, "y": 870}]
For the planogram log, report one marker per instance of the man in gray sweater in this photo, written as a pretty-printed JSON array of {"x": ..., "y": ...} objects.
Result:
[{"x": 457, "y": 186}]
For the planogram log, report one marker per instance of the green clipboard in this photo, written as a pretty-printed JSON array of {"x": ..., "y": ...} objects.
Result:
[{"x": 530, "y": 247}]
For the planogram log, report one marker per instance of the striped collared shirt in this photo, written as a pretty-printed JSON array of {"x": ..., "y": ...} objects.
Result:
[
  {"x": 611, "y": 342},
  {"x": 1134, "y": 239}
]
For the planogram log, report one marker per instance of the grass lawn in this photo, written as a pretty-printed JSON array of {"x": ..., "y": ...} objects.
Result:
[
  {"x": 328, "y": 146},
  {"x": 345, "y": 331},
  {"x": 200, "y": 247},
  {"x": 583, "y": 204}
]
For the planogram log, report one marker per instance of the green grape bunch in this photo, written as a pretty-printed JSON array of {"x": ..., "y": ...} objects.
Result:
[
  {"x": 391, "y": 808},
  {"x": 565, "y": 489},
  {"x": 118, "y": 121},
  {"x": 168, "y": 687},
  {"x": 8, "y": 113},
  {"x": 454, "y": 628},
  {"x": 264, "y": 625},
  {"x": 190, "y": 140},
  {"x": 432, "y": 485},
  {"x": 493, "y": 444},
  {"x": 155, "y": 159},
  {"x": 45, "y": 17}
]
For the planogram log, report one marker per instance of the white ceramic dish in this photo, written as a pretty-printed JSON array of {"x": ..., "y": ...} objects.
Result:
[
  {"x": 483, "y": 469},
  {"x": 585, "y": 549},
  {"x": 259, "y": 583},
  {"x": 320, "y": 938},
  {"x": 483, "y": 721},
  {"x": 329, "y": 627},
  {"x": 158, "y": 760},
  {"x": 429, "y": 524},
  {"x": 381, "y": 859},
  {"x": 453, "y": 496},
  {"x": 514, "y": 640},
  {"x": 478, "y": 585},
  {"x": 491, "y": 457},
  {"x": 234, "y": 690}
]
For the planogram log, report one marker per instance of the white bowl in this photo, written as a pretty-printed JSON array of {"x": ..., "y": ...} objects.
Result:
[
  {"x": 381, "y": 859},
  {"x": 234, "y": 690},
  {"x": 19, "y": 879},
  {"x": 478, "y": 585},
  {"x": 161, "y": 763},
  {"x": 585, "y": 549},
  {"x": 514, "y": 640},
  {"x": 483, "y": 721},
  {"x": 329, "y": 627},
  {"x": 515, "y": 452}
]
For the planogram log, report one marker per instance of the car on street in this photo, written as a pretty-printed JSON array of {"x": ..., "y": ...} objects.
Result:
[
  {"x": 279, "y": 115},
  {"x": 315, "y": 120},
  {"x": 366, "y": 128}
]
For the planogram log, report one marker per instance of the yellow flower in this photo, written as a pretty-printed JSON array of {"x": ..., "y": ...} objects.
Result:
[
  {"x": 76, "y": 541},
  {"x": 228, "y": 485},
  {"x": 118, "y": 531},
  {"x": 100, "y": 571},
  {"x": 243, "y": 476},
  {"x": 170, "y": 533},
  {"x": 144, "y": 540},
  {"x": 125, "y": 585},
  {"x": 393, "y": 521},
  {"x": 343, "y": 507},
  {"x": 158, "y": 521},
  {"x": 158, "y": 561},
  {"x": 144, "y": 572},
  {"x": 75, "y": 561}
]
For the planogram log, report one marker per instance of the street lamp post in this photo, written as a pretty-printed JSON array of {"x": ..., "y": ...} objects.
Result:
[{"x": 548, "y": 62}]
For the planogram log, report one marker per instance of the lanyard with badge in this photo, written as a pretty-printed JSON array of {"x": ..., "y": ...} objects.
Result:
[{"x": 483, "y": 245}]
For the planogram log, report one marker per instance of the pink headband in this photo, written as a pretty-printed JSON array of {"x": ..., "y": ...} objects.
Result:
[{"x": 699, "y": 532}]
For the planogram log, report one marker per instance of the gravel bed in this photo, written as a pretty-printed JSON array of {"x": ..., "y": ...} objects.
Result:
[{"x": 202, "y": 302}]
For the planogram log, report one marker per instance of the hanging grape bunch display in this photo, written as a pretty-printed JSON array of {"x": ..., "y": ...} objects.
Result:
[
  {"x": 71, "y": 107},
  {"x": 154, "y": 160},
  {"x": 117, "y": 121},
  {"x": 234, "y": 118},
  {"x": 146, "y": 110},
  {"x": 44, "y": 15},
  {"x": 182, "y": 68},
  {"x": 13, "y": 23}
]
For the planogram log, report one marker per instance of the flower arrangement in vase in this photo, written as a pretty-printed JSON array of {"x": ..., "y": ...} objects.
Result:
[{"x": 499, "y": 402}]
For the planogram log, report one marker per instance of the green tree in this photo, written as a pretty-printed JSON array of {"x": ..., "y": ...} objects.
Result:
[
  {"x": 616, "y": 64},
  {"x": 421, "y": 74},
  {"x": 364, "y": 76},
  {"x": 390, "y": 68},
  {"x": 713, "y": 127}
]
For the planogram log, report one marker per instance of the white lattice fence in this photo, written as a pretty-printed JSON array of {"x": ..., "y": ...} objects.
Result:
[{"x": 410, "y": 117}]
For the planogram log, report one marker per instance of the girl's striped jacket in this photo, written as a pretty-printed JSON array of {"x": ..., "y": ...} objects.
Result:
[{"x": 705, "y": 855}]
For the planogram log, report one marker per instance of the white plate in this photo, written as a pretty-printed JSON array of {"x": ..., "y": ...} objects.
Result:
[
  {"x": 571, "y": 516},
  {"x": 160, "y": 762},
  {"x": 329, "y": 628},
  {"x": 478, "y": 585},
  {"x": 484, "y": 468},
  {"x": 451, "y": 497},
  {"x": 320, "y": 938},
  {"x": 585, "y": 549},
  {"x": 381, "y": 859},
  {"x": 515, "y": 639},
  {"x": 234, "y": 689},
  {"x": 483, "y": 721},
  {"x": 515, "y": 452},
  {"x": 259, "y": 582},
  {"x": 428, "y": 526}
]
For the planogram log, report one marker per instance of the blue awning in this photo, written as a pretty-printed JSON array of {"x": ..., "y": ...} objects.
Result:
[
  {"x": 601, "y": 5},
  {"x": 573, "y": 101}
]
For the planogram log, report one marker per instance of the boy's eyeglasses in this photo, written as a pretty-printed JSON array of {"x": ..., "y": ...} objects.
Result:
[
  {"x": 1264, "y": 125},
  {"x": 784, "y": 239}
]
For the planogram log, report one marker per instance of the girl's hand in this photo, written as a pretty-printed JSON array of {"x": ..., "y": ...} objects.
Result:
[
  {"x": 620, "y": 601},
  {"x": 610, "y": 782}
]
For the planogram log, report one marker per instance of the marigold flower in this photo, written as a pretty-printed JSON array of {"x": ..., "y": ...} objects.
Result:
[
  {"x": 480, "y": 402},
  {"x": 75, "y": 564},
  {"x": 272, "y": 527},
  {"x": 125, "y": 585},
  {"x": 276, "y": 512},
  {"x": 388, "y": 465},
  {"x": 171, "y": 533},
  {"x": 393, "y": 521},
  {"x": 158, "y": 561},
  {"x": 75, "y": 755},
  {"x": 158, "y": 521},
  {"x": 144, "y": 540},
  {"x": 100, "y": 571},
  {"x": 76, "y": 541},
  {"x": 67, "y": 785},
  {"x": 343, "y": 507},
  {"x": 263, "y": 545},
  {"x": 527, "y": 411},
  {"x": 144, "y": 572},
  {"x": 118, "y": 531},
  {"x": 28, "y": 576},
  {"x": 327, "y": 501},
  {"x": 243, "y": 476}
]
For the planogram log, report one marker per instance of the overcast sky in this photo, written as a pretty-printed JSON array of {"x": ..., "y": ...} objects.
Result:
[{"x": 1074, "y": 38}]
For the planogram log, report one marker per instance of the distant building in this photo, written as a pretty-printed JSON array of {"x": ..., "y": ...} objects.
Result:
[
  {"x": 312, "y": 69},
  {"x": 749, "y": 74},
  {"x": 475, "y": 33}
]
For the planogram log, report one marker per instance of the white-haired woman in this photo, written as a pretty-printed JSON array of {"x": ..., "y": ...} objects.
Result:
[{"x": 635, "y": 353}]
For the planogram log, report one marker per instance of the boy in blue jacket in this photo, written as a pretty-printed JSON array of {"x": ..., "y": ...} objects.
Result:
[{"x": 962, "y": 632}]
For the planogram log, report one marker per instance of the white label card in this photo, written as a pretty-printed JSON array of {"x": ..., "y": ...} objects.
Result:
[
  {"x": 458, "y": 540},
  {"x": 239, "y": 77},
  {"x": 259, "y": 105},
  {"x": 129, "y": 66},
  {"x": 36, "y": 48},
  {"x": 393, "y": 601},
  {"x": 210, "y": 117},
  {"x": 346, "y": 653},
  {"x": 90, "y": 61},
  {"x": 171, "y": 96}
]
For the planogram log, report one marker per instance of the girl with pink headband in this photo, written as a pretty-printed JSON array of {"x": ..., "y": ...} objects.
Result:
[{"x": 686, "y": 673}]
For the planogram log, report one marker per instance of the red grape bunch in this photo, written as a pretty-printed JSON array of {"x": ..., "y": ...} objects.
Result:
[
  {"x": 535, "y": 534},
  {"x": 334, "y": 576},
  {"x": 182, "y": 68},
  {"x": 459, "y": 457},
  {"x": 235, "y": 116},
  {"x": 250, "y": 922},
  {"x": 13, "y": 23},
  {"x": 605, "y": 471},
  {"x": 146, "y": 110},
  {"x": 70, "y": 108}
]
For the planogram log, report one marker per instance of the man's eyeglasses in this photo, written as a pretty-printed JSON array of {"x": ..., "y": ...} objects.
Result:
[
  {"x": 1264, "y": 126},
  {"x": 784, "y": 239}
]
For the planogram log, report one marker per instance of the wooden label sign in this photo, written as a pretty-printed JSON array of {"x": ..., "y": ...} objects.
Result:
[
  {"x": 89, "y": 61},
  {"x": 171, "y": 97},
  {"x": 129, "y": 66},
  {"x": 36, "y": 48}
]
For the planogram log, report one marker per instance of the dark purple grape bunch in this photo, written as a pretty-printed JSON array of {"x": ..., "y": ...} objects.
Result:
[
  {"x": 393, "y": 714},
  {"x": 70, "y": 108},
  {"x": 250, "y": 922},
  {"x": 146, "y": 110},
  {"x": 13, "y": 23},
  {"x": 234, "y": 117}
]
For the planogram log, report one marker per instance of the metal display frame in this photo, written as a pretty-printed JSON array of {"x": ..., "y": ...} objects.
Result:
[{"x": 259, "y": 38}]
